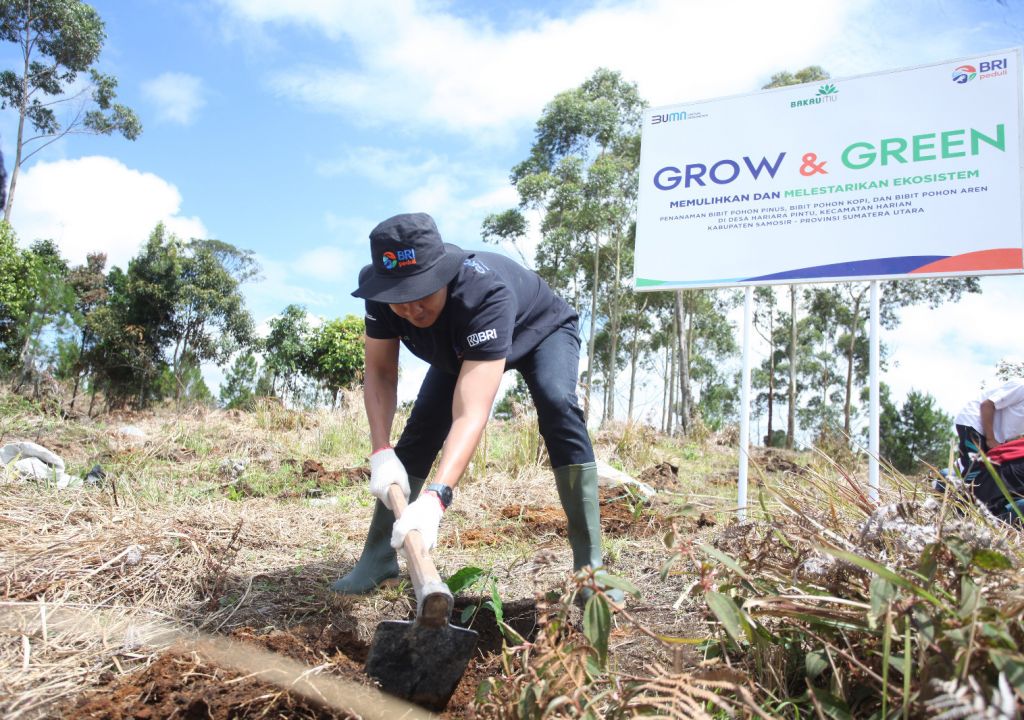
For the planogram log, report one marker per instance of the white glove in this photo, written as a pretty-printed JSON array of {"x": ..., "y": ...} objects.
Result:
[
  {"x": 387, "y": 470},
  {"x": 423, "y": 515}
]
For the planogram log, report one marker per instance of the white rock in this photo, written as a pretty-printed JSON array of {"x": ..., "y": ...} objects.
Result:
[{"x": 132, "y": 432}]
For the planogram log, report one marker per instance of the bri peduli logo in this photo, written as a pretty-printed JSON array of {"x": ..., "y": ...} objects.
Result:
[
  {"x": 986, "y": 69},
  {"x": 964, "y": 74},
  {"x": 398, "y": 258},
  {"x": 827, "y": 93}
]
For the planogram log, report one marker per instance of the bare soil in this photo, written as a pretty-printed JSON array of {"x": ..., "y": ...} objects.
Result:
[
  {"x": 168, "y": 535},
  {"x": 181, "y": 683}
]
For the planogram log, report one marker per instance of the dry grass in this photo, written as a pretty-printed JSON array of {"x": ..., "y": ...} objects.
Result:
[{"x": 179, "y": 544}]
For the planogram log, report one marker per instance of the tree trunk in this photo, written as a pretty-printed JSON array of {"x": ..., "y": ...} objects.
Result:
[
  {"x": 849, "y": 362},
  {"x": 78, "y": 373},
  {"x": 668, "y": 381},
  {"x": 22, "y": 111},
  {"x": 791, "y": 410},
  {"x": 593, "y": 335},
  {"x": 633, "y": 353},
  {"x": 672, "y": 375},
  {"x": 616, "y": 323},
  {"x": 771, "y": 389},
  {"x": 683, "y": 339}
]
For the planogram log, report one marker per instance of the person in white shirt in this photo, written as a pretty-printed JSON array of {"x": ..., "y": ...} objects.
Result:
[{"x": 994, "y": 417}]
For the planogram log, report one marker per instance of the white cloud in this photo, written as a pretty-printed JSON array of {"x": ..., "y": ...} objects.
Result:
[
  {"x": 952, "y": 351},
  {"x": 177, "y": 96},
  {"x": 327, "y": 263},
  {"x": 97, "y": 204},
  {"x": 416, "y": 65},
  {"x": 387, "y": 167}
]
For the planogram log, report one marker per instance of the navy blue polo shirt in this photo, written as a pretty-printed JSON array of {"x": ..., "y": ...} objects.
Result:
[{"x": 496, "y": 309}]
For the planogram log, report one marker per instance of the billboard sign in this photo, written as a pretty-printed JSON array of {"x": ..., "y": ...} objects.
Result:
[{"x": 903, "y": 174}]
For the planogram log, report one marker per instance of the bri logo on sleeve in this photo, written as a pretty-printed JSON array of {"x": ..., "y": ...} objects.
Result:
[{"x": 482, "y": 336}]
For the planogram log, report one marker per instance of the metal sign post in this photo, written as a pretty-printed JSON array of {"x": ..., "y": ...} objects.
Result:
[
  {"x": 873, "y": 351},
  {"x": 748, "y": 316}
]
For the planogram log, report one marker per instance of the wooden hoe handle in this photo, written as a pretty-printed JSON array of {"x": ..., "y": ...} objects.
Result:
[{"x": 434, "y": 601}]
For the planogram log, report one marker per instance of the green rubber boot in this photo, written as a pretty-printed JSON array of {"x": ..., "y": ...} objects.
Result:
[
  {"x": 577, "y": 489},
  {"x": 378, "y": 561}
]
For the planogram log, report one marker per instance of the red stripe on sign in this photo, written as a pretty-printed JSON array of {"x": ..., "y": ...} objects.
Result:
[{"x": 998, "y": 259}]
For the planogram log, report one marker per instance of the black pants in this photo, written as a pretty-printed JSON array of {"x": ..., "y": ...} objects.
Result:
[
  {"x": 970, "y": 440},
  {"x": 550, "y": 373}
]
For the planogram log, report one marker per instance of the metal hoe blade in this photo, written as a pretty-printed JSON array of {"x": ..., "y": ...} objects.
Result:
[{"x": 419, "y": 663}]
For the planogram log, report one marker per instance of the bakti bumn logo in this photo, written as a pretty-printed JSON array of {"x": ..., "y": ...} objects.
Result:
[{"x": 964, "y": 74}]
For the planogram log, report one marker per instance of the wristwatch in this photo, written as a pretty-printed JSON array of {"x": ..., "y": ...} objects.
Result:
[{"x": 444, "y": 493}]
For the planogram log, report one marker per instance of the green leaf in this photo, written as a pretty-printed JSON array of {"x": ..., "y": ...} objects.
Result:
[
  {"x": 988, "y": 559},
  {"x": 832, "y": 706},
  {"x": 998, "y": 633},
  {"x": 495, "y": 604},
  {"x": 1011, "y": 665},
  {"x": 882, "y": 571},
  {"x": 607, "y": 580},
  {"x": 725, "y": 560},
  {"x": 510, "y": 633},
  {"x": 728, "y": 614},
  {"x": 464, "y": 578},
  {"x": 815, "y": 663},
  {"x": 468, "y": 612},
  {"x": 970, "y": 596},
  {"x": 961, "y": 549},
  {"x": 597, "y": 626},
  {"x": 882, "y": 593},
  {"x": 928, "y": 564},
  {"x": 924, "y": 622},
  {"x": 670, "y": 640}
]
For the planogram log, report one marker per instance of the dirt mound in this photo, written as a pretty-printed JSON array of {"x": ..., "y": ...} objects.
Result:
[
  {"x": 181, "y": 683},
  {"x": 312, "y": 469},
  {"x": 777, "y": 460},
  {"x": 663, "y": 476},
  {"x": 619, "y": 517}
]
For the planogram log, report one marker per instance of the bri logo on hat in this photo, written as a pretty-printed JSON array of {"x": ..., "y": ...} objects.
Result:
[{"x": 398, "y": 258}]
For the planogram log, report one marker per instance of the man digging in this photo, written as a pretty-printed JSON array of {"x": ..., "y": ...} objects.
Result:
[{"x": 471, "y": 317}]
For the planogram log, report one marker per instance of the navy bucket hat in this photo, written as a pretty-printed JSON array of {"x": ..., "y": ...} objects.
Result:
[{"x": 409, "y": 260}]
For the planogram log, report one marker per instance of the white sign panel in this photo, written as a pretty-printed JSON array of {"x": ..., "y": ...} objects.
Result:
[{"x": 913, "y": 173}]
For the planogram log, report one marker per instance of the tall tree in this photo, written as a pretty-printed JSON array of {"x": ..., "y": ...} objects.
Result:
[
  {"x": 50, "y": 305},
  {"x": 210, "y": 321},
  {"x": 811, "y": 73},
  {"x": 581, "y": 176},
  {"x": 89, "y": 283},
  {"x": 919, "y": 432},
  {"x": 334, "y": 356},
  {"x": 238, "y": 389},
  {"x": 15, "y": 294},
  {"x": 285, "y": 349},
  {"x": 58, "y": 39},
  {"x": 847, "y": 308}
]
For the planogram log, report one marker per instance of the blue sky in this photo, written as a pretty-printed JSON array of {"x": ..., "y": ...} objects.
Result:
[{"x": 292, "y": 128}]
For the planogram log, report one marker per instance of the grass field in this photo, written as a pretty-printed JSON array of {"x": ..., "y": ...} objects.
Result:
[{"x": 192, "y": 581}]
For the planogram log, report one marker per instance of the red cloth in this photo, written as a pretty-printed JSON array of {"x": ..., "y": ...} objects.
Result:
[{"x": 1007, "y": 451}]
